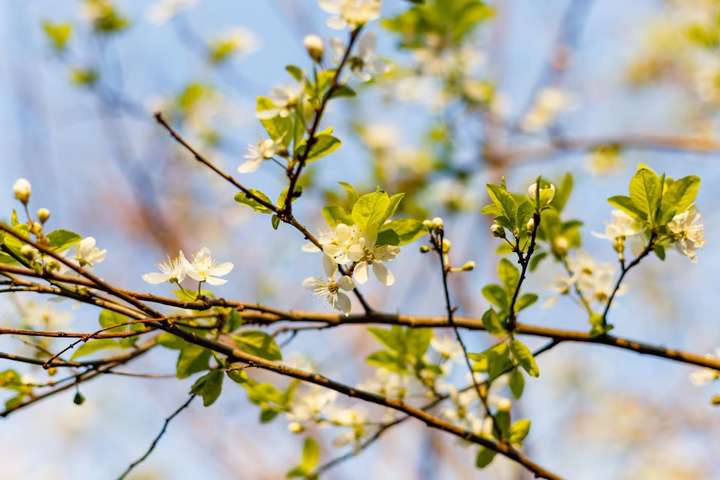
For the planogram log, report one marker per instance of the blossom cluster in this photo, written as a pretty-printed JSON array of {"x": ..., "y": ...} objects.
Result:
[{"x": 203, "y": 268}]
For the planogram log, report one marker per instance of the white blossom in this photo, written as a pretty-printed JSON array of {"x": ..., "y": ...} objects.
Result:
[
  {"x": 22, "y": 190},
  {"x": 285, "y": 98},
  {"x": 163, "y": 10},
  {"x": 329, "y": 289},
  {"x": 365, "y": 63},
  {"x": 624, "y": 226},
  {"x": 311, "y": 406},
  {"x": 87, "y": 254},
  {"x": 205, "y": 269},
  {"x": 366, "y": 254},
  {"x": 350, "y": 13},
  {"x": 174, "y": 271},
  {"x": 447, "y": 347},
  {"x": 256, "y": 153},
  {"x": 561, "y": 286},
  {"x": 687, "y": 230},
  {"x": 548, "y": 103},
  {"x": 703, "y": 376}
]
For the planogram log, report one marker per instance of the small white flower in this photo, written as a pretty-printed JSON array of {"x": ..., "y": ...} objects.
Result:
[
  {"x": 548, "y": 103},
  {"x": 174, "y": 271},
  {"x": 352, "y": 13},
  {"x": 703, "y": 376},
  {"x": 338, "y": 242},
  {"x": 461, "y": 413},
  {"x": 205, "y": 269},
  {"x": 162, "y": 11},
  {"x": 314, "y": 46},
  {"x": 447, "y": 347},
  {"x": 43, "y": 316},
  {"x": 263, "y": 150},
  {"x": 687, "y": 230},
  {"x": 386, "y": 383},
  {"x": 329, "y": 289},
  {"x": 366, "y": 254},
  {"x": 87, "y": 254},
  {"x": 624, "y": 226},
  {"x": 311, "y": 406},
  {"x": 365, "y": 63},
  {"x": 561, "y": 286},
  {"x": 285, "y": 98}
]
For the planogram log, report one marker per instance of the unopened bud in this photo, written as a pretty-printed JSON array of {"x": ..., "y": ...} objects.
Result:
[
  {"x": 43, "y": 215},
  {"x": 314, "y": 46},
  {"x": 424, "y": 249},
  {"x": 295, "y": 427},
  {"x": 560, "y": 246},
  {"x": 35, "y": 228},
  {"x": 428, "y": 224},
  {"x": 504, "y": 405},
  {"x": 437, "y": 223},
  {"x": 22, "y": 190},
  {"x": 446, "y": 246},
  {"x": 79, "y": 399},
  {"x": 469, "y": 266},
  {"x": 28, "y": 252},
  {"x": 715, "y": 400},
  {"x": 497, "y": 231},
  {"x": 530, "y": 226},
  {"x": 547, "y": 193}
]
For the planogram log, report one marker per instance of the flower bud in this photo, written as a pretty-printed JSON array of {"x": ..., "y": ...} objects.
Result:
[
  {"x": 295, "y": 427},
  {"x": 715, "y": 400},
  {"x": 424, "y": 249},
  {"x": 560, "y": 246},
  {"x": 469, "y": 266},
  {"x": 547, "y": 193},
  {"x": 497, "y": 231},
  {"x": 43, "y": 215},
  {"x": 79, "y": 398},
  {"x": 28, "y": 251},
  {"x": 428, "y": 224},
  {"x": 446, "y": 246},
  {"x": 530, "y": 226},
  {"x": 437, "y": 223},
  {"x": 314, "y": 46},
  {"x": 35, "y": 228},
  {"x": 22, "y": 190}
]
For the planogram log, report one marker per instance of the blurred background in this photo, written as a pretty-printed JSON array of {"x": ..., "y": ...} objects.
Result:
[{"x": 525, "y": 88}]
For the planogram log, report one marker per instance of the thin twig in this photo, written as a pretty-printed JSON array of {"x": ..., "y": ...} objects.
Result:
[{"x": 159, "y": 436}]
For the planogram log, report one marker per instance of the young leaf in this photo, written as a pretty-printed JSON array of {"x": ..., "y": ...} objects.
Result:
[
  {"x": 525, "y": 301},
  {"x": 496, "y": 295},
  {"x": 192, "y": 359},
  {"x": 62, "y": 239},
  {"x": 524, "y": 357},
  {"x": 517, "y": 383},
  {"x": 352, "y": 195},
  {"x": 562, "y": 193},
  {"x": 493, "y": 324},
  {"x": 259, "y": 344},
  {"x": 370, "y": 209},
  {"x": 310, "y": 454},
  {"x": 242, "y": 198},
  {"x": 93, "y": 346},
  {"x": 209, "y": 386},
  {"x": 335, "y": 215},
  {"x": 518, "y": 431},
  {"x": 484, "y": 457},
  {"x": 503, "y": 200},
  {"x": 404, "y": 231},
  {"x": 108, "y": 318},
  {"x": 625, "y": 204},
  {"x": 645, "y": 189},
  {"x": 509, "y": 274}
]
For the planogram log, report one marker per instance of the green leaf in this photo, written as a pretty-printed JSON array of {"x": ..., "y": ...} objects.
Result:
[
  {"x": 192, "y": 359},
  {"x": 525, "y": 301},
  {"x": 524, "y": 357},
  {"x": 495, "y": 360},
  {"x": 401, "y": 231},
  {"x": 275, "y": 221},
  {"x": 370, "y": 209},
  {"x": 310, "y": 454},
  {"x": 509, "y": 274},
  {"x": 238, "y": 376},
  {"x": 168, "y": 340},
  {"x": 108, "y": 318},
  {"x": 392, "y": 338},
  {"x": 277, "y": 127},
  {"x": 62, "y": 239},
  {"x": 524, "y": 213},
  {"x": 322, "y": 145},
  {"x": 343, "y": 91},
  {"x": 659, "y": 250},
  {"x": 518, "y": 431},
  {"x": 335, "y": 214},
  {"x": 58, "y": 34},
  {"x": 296, "y": 73},
  {"x": 562, "y": 193},
  {"x": 503, "y": 200},
  {"x": 536, "y": 259},
  {"x": 517, "y": 383},
  {"x": 242, "y": 198},
  {"x": 93, "y": 346},
  {"x": 352, "y": 195},
  {"x": 392, "y": 207},
  {"x": 680, "y": 195},
  {"x": 268, "y": 414},
  {"x": 417, "y": 341},
  {"x": 209, "y": 386},
  {"x": 496, "y": 295},
  {"x": 493, "y": 324},
  {"x": 625, "y": 204},
  {"x": 259, "y": 344},
  {"x": 484, "y": 457},
  {"x": 390, "y": 361},
  {"x": 645, "y": 190}
]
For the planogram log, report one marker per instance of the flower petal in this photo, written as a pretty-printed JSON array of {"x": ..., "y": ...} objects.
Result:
[
  {"x": 155, "y": 278},
  {"x": 346, "y": 283},
  {"x": 250, "y": 166},
  {"x": 221, "y": 270},
  {"x": 382, "y": 273},
  {"x": 361, "y": 272},
  {"x": 343, "y": 303},
  {"x": 330, "y": 266}
]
